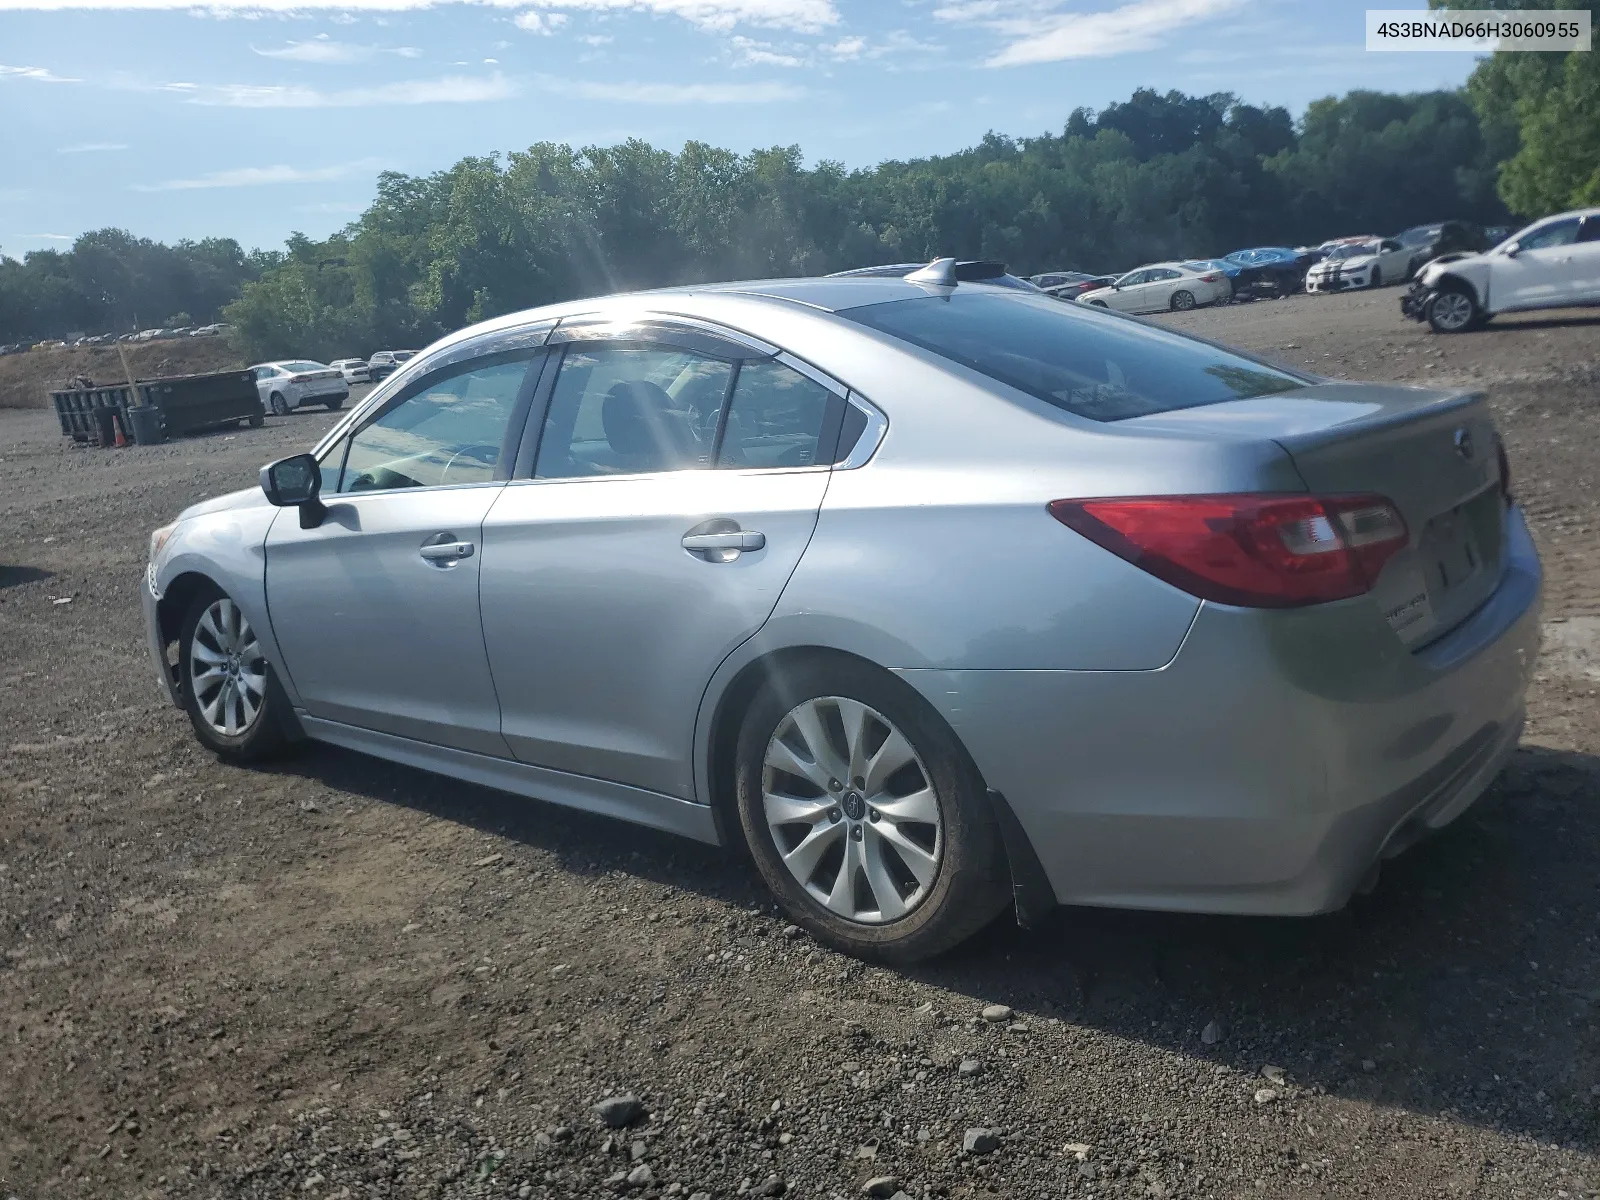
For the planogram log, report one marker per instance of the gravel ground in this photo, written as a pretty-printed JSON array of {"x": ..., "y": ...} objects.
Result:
[{"x": 336, "y": 977}]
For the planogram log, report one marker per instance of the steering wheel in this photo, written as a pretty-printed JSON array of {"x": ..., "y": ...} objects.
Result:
[{"x": 481, "y": 452}]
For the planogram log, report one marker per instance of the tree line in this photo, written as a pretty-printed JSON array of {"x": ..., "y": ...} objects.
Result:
[{"x": 1157, "y": 176}]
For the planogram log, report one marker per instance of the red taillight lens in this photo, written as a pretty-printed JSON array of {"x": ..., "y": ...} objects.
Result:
[
  {"x": 299, "y": 379},
  {"x": 1210, "y": 278},
  {"x": 1256, "y": 551},
  {"x": 1505, "y": 470}
]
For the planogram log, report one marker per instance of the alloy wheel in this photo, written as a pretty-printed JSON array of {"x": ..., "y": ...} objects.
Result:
[
  {"x": 852, "y": 810},
  {"x": 227, "y": 671},
  {"x": 1452, "y": 310}
]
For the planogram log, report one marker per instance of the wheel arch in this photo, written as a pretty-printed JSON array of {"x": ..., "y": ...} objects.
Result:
[
  {"x": 1450, "y": 281},
  {"x": 175, "y": 600},
  {"x": 1031, "y": 890}
]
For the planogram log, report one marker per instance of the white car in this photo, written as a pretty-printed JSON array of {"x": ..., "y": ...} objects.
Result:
[
  {"x": 286, "y": 386},
  {"x": 354, "y": 370},
  {"x": 1367, "y": 264},
  {"x": 1161, "y": 287},
  {"x": 1553, "y": 263}
]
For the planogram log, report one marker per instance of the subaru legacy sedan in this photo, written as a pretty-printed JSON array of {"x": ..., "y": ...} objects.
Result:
[{"x": 938, "y": 597}]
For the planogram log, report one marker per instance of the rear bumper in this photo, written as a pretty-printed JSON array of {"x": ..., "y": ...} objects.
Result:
[{"x": 1268, "y": 766}]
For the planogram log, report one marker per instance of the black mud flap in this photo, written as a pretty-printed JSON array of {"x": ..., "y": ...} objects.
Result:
[{"x": 1031, "y": 892}]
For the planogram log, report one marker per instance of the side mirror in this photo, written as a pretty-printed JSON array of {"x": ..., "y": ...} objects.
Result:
[
  {"x": 1512, "y": 250},
  {"x": 296, "y": 482}
]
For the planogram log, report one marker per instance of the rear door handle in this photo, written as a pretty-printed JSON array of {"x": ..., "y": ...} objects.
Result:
[
  {"x": 446, "y": 551},
  {"x": 739, "y": 539}
]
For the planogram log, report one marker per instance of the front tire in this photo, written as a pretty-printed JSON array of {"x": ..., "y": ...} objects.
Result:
[
  {"x": 335, "y": 405},
  {"x": 1098, "y": 304},
  {"x": 280, "y": 406},
  {"x": 1453, "y": 311},
  {"x": 1182, "y": 300},
  {"x": 226, "y": 683},
  {"x": 864, "y": 814},
  {"x": 256, "y": 420}
]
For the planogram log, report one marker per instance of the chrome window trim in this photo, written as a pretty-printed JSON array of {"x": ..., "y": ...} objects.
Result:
[
  {"x": 653, "y": 326},
  {"x": 522, "y": 337},
  {"x": 810, "y": 469},
  {"x": 871, "y": 437}
]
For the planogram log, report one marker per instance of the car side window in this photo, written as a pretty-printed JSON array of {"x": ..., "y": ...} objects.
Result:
[
  {"x": 1389, "y": 247},
  {"x": 632, "y": 408},
  {"x": 1557, "y": 233},
  {"x": 1589, "y": 230},
  {"x": 1134, "y": 277},
  {"x": 776, "y": 418},
  {"x": 1165, "y": 273},
  {"x": 450, "y": 432}
]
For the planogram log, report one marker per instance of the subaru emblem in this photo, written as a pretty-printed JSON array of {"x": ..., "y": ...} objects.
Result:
[{"x": 1464, "y": 443}]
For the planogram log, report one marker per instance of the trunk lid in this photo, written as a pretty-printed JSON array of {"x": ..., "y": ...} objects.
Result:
[{"x": 1431, "y": 452}]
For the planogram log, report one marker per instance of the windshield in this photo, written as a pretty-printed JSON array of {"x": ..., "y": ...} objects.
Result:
[
  {"x": 1417, "y": 237},
  {"x": 1097, "y": 365},
  {"x": 1353, "y": 251}
]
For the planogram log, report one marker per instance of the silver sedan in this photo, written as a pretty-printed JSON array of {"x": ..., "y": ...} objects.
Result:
[{"x": 941, "y": 598}]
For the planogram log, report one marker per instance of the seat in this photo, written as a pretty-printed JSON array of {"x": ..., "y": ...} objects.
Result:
[{"x": 645, "y": 432}]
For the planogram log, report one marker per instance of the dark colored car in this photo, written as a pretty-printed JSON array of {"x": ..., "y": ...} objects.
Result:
[
  {"x": 968, "y": 270},
  {"x": 1270, "y": 271},
  {"x": 1077, "y": 285},
  {"x": 1428, "y": 242}
]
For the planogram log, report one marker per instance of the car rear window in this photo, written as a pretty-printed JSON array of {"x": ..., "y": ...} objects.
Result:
[
  {"x": 299, "y": 367},
  {"x": 1093, "y": 364}
]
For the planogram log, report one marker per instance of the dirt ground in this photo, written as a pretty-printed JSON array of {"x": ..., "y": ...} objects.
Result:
[
  {"x": 335, "y": 977},
  {"x": 26, "y": 380}
]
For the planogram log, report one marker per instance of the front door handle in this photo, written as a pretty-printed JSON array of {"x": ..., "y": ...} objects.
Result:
[
  {"x": 737, "y": 540},
  {"x": 446, "y": 552}
]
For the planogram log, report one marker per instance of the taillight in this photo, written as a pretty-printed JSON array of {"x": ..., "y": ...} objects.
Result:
[
  {"x": 299, "y": 379},
  {"x": 1211, "y": 279},
  {"x": 1505, "y": 470},
  {"x": 1252, "y": 550}
]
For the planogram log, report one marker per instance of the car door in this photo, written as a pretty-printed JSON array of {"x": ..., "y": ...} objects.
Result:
[
  {"x": 264, "y": 377},
  {"x": 1157, "y": 297},
  {"x": 1128, "y": 292},
  {"x": 376, "y": 609},
  {"x": 1541, "y": 273},
  {"x": 674, "y": 486},
  {"x": 1585, "y": 283}
]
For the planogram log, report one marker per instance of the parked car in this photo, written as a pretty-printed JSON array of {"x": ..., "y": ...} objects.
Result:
[
  {"x": 1054, "y": 279},
  {"x": 211, "y": 330},
  {"x": 354, "y": 370},
  {"x": 1230, "y": 271},
  {"x": 286, "y": 386},
  {"x": 1127, "y": 537},
  {"x": 1365, "y": 264},
  {"x": 1273, "y": 271},
  {"x": 1553, "y": 263},
  {"x": 1427, "y": 242},
  {"x": 386, "y": 362},
  {"x": 1076, "y": 288},
  {"x": 966, "y": 270},
  {"x": 1160, "y": 287}
]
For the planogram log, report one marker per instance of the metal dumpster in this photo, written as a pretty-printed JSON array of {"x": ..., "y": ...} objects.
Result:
[{"x": 188, "y": 403}]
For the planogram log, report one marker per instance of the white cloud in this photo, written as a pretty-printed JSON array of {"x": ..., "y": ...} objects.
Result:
[
  {"x": 257, "y": 176},
  {"x": 846, "y": 49},
  {"x": 543, "y": 24},
  {"x": 45, "y": 237},
  {"x": 801, "y": 15},
  {"x": 596, "y": 39},
  {"x": 806, "y": 16},
  {"x": 37, "y": 74},
  {"x": 750, "y": 53},
  {"x": 322, "y": 50},
  {"x": 447, "y": 89},
  {"x": 1037, "y": 31},
  {"x": 91, "y": 147},
  {"x": 675, "y": 93}
]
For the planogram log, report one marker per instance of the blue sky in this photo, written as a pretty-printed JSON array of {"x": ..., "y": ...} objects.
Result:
[{"x": 255, "y": 119}]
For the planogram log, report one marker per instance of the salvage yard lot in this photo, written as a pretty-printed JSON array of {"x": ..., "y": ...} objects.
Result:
[{"x": 337, "y": 977}]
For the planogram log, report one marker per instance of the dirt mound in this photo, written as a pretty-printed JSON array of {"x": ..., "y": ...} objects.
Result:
[{"x": 26, "y": 380}]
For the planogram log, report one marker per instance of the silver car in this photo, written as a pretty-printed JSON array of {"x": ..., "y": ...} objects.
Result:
[{"x": 940, "y": 597}]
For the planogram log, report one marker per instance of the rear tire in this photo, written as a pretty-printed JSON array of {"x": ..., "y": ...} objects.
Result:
[
  {"x": 280, "y": 406},
  {"x": 335, "y": 405},
  {"x": 228, "y": 687},
  {"x": 1454, "y": 311},
  {"x": 257, "y": 420},
  {"x": 1182, "y": 300},
  {"x": 911, "y": 888}
]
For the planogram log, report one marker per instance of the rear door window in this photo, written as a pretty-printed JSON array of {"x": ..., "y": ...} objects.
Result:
[{"x": 1090, "y": 363}]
